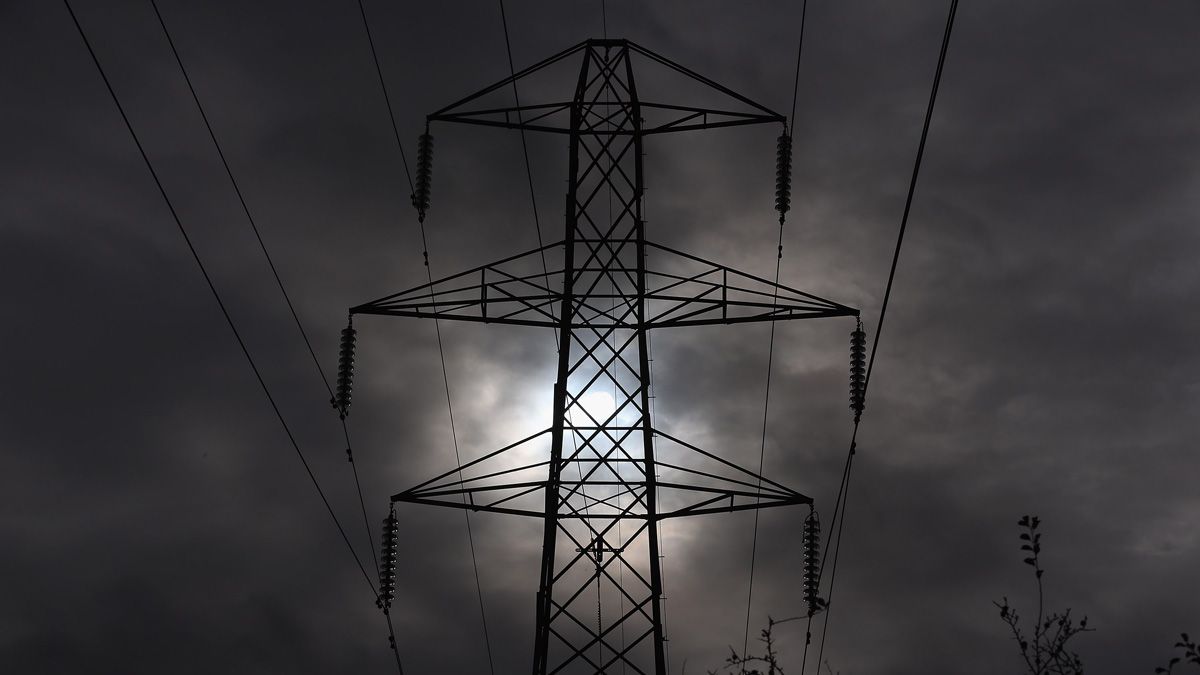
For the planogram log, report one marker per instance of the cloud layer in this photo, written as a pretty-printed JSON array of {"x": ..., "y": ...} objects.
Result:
[{"x": 1038, "y": 355}]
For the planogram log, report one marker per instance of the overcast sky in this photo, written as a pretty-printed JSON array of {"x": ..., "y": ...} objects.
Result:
[{"x": 1039, "y": 355}]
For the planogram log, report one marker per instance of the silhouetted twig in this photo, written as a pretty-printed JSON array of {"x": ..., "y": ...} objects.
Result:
[
  {"x": 770, "y": 659},
  {"x": 1044, "y": 652},
  {"x": 1191, "y": 654}
]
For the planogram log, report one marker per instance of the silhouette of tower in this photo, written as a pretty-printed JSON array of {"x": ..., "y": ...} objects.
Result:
[{"x": 602, "y": 476}]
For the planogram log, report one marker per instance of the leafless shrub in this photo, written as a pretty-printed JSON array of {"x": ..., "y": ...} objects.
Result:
[{"x": 1044, "y": 650}]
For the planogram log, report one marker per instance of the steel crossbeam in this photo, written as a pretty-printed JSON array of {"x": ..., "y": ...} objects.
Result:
[{"x": 608, "y": 477}]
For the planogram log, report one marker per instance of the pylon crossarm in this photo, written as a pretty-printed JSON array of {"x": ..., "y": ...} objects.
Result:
[
  {"x": 602, "y": 288},
  {"x": 442, "y": 113},
  {"x": 709, "y": 118},
  {"x": 514, "y": 290},
  {"x": 470, "y": 507},
  {"x": 682, "y": 123},
  {"x": 472, "y": 463},
  {"x": 714, "y": 294},
  {"x": 723, "y": 462},
  {"x": 606, "y": 111},
  {"x": 706, "y": 474},
  {"x": 744, "y": 275},
  {"x": 473, "y": 499},
  {"x": 697, "y": 510},
  {"x": 759, "y": 501},
  {"x": 542, "y": 111},
  {"x": 464, "y": 484},
  {"x": 702, "y": 79},
  {"x": 686, "y": 290}
]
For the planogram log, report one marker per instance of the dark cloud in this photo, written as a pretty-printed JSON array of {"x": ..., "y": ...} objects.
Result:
[{"x": 1038, "y": 355}]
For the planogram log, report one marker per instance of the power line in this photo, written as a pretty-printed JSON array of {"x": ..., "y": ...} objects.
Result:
[
  {"x": 438, "y": 330},
  {"x": 279, "y": 281},
  {"x": 799, "y": 51},
  {"x": 216, "y": 294},
  {"x": 383, "y": 87},
  {"x": 241, "y": 198},
  {"x": 763, "y": 447},
  {"x": 458, "y": 460},
  {"x": 262, "y": 244},
  {"x": 912, "y": 187},
  {"x": 537, "y": 223},
  {"x": 771, "y": 348}
]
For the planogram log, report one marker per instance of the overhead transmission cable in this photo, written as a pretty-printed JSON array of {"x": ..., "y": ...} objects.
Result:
[
  {"x": 782, "y": 203},
  {"x": 438, "y": 330},
  {"x": 362, "y": 10},
  {"x": 241, "y": 199},
  {"x": 258, "y": 236},
  {"x": 843, "y": 492},
  {"x": 217, "y": 296},
  {"x": 282, "y": 289}
]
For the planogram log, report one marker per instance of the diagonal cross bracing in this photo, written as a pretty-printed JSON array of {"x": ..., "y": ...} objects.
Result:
[{"x": 602, "y": 464}]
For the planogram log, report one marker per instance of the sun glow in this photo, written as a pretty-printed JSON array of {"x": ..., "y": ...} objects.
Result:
[{"x": 599, "y": 404}]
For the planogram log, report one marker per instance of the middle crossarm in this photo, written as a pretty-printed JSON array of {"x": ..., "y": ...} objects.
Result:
[{"x": 681, "y": 290}]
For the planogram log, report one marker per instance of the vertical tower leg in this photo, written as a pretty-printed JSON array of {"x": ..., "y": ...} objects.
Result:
[{"x": 602, "y": 467}]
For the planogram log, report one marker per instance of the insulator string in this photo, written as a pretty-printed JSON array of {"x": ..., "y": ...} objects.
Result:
[
  {"x": 783, "y": 175},
  {"x": 858, "y": 371},
  {"x": 812, "y": 564},
  {"x": 420, "y": 200},
  {"x": 387, "y": 561},
  {"x": 783, "y": 194},
  {"x": 422, "y": 191},
  {"x": 345, "y": 376}
]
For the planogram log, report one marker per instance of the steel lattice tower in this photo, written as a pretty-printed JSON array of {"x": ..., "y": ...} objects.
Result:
[{"x": 603, "y": 477}]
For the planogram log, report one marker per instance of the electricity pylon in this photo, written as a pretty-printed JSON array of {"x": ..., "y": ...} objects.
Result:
[{"x": 602, "y": 476}]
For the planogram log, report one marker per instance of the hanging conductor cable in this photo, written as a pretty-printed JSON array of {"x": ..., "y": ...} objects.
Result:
[
  {"x": 421, "y": 200},
  {"x": 362, "y": 10},
  {"x": 512, "y": 71},
  {"x": 859, "y": 390},
  {"x": 341, "y": 399},
  {"x": 217, "y": 296},
  {"x": 783, "y": 192},
  {"x": 241, "y": 197}
]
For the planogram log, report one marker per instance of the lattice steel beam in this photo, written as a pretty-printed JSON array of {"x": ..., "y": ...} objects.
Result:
[{"x": 609, "y": 477}]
